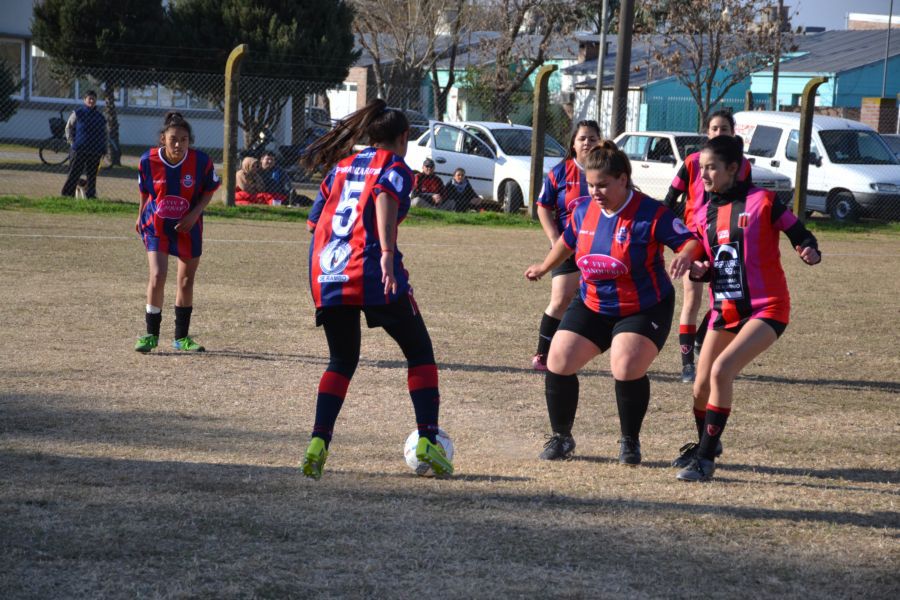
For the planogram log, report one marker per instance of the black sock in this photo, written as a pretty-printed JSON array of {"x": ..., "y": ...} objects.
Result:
[
  {"x": 153, "y": 321},
  {"x": 686, "y": 336},
  {"x": 562, "y": 401},
  {"x": 716, "y": 417},
  {"x": 632, "y": 398},
  {"x": 700, "y": 420},
  {"x": 182, "y": 321},
  {"x": 329, "y": 400},
  {"x": 548, "y": 328}
]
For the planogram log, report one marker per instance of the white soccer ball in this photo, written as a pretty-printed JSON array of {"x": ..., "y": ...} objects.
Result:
[{"x": 409, "y": 451}]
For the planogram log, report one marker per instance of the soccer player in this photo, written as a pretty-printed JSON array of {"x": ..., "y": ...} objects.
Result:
[
  {"x": 355, "y": 267},
  {"x": 625, "y": 301},
  {"x": 176, "y": 183},
  {"x": 748, "y": 292},
  {"x": 688, "y": 182},
  {"x": 563, "y": 185}
]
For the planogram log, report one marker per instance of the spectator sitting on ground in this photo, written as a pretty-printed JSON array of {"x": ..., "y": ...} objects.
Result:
[
  {"x": 249, "y": 187},
  {"x": 275, "y": 181},
  {"x": 458, "y": 193},
  {"x": 428, "y": 188}
]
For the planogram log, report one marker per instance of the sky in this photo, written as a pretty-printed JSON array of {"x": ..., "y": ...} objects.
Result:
[{"x": 832, "y": 14}]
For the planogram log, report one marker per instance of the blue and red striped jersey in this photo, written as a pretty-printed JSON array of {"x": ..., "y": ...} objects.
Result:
[
  {"x": 171, "y": 191},
  {"x": 621, "y": 255},
  {"x": 564, "y": 184},
  {"x": 345, "y": 252}
]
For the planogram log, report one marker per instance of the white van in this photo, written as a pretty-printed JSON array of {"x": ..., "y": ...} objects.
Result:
[{"x": 856, "y": 175}]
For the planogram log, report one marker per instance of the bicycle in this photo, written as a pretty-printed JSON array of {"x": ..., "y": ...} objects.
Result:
[{"x": 55, "y": 150}]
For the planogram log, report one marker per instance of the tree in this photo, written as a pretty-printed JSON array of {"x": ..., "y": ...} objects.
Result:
[
  {"x": 9, "y": 85},
  {"x": 712, "y": 45},
  {"x": 90, "y": 37},
  {"x": 406, "y": 39},
  {"x": 297, "y": 47},
  {"x": 526, "y": 28}
]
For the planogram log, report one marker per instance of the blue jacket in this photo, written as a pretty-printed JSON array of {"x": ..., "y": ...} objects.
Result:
[{"x": 90, "y": 130}]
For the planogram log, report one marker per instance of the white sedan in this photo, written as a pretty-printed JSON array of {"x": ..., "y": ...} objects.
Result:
[
  {"x": 495, "y": 156},
  {"x": 656, "y": 157}
]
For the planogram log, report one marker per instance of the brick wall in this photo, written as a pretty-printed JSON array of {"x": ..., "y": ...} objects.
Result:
[{"x": 880, "y": 114}]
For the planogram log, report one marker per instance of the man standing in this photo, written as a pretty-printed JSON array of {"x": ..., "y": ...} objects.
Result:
[{"x": 86, "y": 132}]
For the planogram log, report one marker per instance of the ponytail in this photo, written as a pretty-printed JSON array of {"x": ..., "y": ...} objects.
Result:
[
  {"x": 375, "y": 122},
  {"x": 607, "y": 158}
]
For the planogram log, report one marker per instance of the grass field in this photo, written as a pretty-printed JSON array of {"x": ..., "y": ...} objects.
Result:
[{"x": 166, "y": 475}]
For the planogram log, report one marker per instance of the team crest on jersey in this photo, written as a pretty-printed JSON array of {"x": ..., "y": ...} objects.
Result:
[
  {"x": 187, "y": 181},
  {"x": 600, "y": 267},
  {"x": 679, "y": 227},
  {"x": 622, "y": 234},
  {"x": 743, "y": 220},
  {"x": 333, "y": 260},
  {"x": 172, "y": 207}
]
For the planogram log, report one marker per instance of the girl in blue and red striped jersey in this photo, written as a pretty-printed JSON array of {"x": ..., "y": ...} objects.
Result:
[
  {"x": 176, "y": 183},
  {"x": 739, "y": 227},
  {"x": 625, "y": 301},
  {"x": 688, "y": 182},
  {"x": 563, "y": 186},
  {"x": 355, "y": 267}
]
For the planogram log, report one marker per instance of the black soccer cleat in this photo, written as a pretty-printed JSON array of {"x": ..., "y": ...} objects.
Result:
[
  {"x": 699, "y": 469},
  {"x": 629, "y": 451},
  {"x": 688, "y": 451},
  {"x": 558, "y": 447}
]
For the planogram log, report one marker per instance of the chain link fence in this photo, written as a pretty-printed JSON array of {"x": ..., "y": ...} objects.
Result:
[{"x": 854, "y": 172}]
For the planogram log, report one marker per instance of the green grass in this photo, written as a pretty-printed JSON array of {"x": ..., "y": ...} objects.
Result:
[{"x": 417, "y": 216}]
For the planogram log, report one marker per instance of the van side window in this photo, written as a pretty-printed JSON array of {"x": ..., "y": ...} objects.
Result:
[
  {"x": 634, "y": 146},
  {"x": 793, "y": 147},
  {"x": 764, "y": 142},
  {"x": 660, "y": 150}
]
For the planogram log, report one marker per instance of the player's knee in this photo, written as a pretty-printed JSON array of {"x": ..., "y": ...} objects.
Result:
[
  {"x": 625, "y": 368},
  {"x": 723, "y": 371},
  {"x": 157, "y": 280}
]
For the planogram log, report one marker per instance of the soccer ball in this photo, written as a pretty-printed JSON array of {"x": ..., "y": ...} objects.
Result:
[{"x": 409, "y": 451}]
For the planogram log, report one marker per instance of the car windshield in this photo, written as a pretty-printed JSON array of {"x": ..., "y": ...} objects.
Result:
[
  {"x": 856, "y": 147},
  {"x": 517, "y": 142},
  {"x": 688, "y": 144}
]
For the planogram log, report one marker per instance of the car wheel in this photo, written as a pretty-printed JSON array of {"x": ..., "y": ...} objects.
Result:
[
  {"x": 512, "y": 197},
  {"x": 843, "y": 207}
]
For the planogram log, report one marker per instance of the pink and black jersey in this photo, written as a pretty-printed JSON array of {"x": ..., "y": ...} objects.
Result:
[
  {"x": 621, "y": 255},
  {"x": 740, "y": 230},
  {"x": 171, "y": 191},
  {"x": 688, "y": 181},
  {"x": 564, "y": 184},
  {"x": 345, "y": 252}
]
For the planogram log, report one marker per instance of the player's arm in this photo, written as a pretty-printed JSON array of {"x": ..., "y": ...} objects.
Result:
[
  {"x": 562, "y": 249},
  {"x": 386, "y": 208},
  {"x": 803, "y": 240},
  {"x": 190, "y": 219},
  {"x": 548, "y": 222}
]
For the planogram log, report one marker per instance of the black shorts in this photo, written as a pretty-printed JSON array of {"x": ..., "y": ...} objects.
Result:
[
  {"x": 653, "y": 323},
  {"x": 567, "y": 267},
  {"x": 398, "y": 313},
  {"x": 778, "y": 326}
]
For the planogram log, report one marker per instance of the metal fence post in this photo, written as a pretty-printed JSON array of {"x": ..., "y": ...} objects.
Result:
[
  {"x": 539, "y": 127},
  {"x": 807, "y": 104},
  {"x": 229, "y": 149}
]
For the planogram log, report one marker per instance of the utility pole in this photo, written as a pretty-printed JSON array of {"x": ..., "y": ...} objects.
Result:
[
  {"x": 776, "y": 67},
  {"x": 887, "y": 51},
  {"x": 601, "y": 59},
  {"x": 623, "y": 66}
]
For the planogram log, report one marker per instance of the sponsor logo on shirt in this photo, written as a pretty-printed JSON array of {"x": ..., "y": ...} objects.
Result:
[
  {"x": 574, "y": 202},
  {"x": 600, "y": 267},
  {"x": 679, "y": 227},
  {"x": 187, "y": 181},
  {"x": 723, "y": 235},
  {"x": 172, "y": 207},
  {"x": 333, "y": 260}
]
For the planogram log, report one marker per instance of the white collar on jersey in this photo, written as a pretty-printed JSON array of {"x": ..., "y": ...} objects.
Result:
[
  {"x": 167, "y": 163},
  {"x": 606, "y": 213},
  {"x": 578, "y": 164}
]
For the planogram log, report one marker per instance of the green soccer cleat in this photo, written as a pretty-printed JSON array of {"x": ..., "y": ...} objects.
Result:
[
  {"x": 314, "y": 461},
  {"x": 146, "y": 343},
  {"x": 187, "y": 344},
  {"x": 434, "y": 456}
]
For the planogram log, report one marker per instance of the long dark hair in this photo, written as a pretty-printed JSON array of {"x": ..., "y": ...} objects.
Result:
[
  {"x": 589, "y": 123},
  {"x": 607, "y": 158},
  {"x": 174, "y": 119},
  {"x": 375, "y": 121},
  {"x": 728, "y": 149},
  {"x": 724, "y": 114}
]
